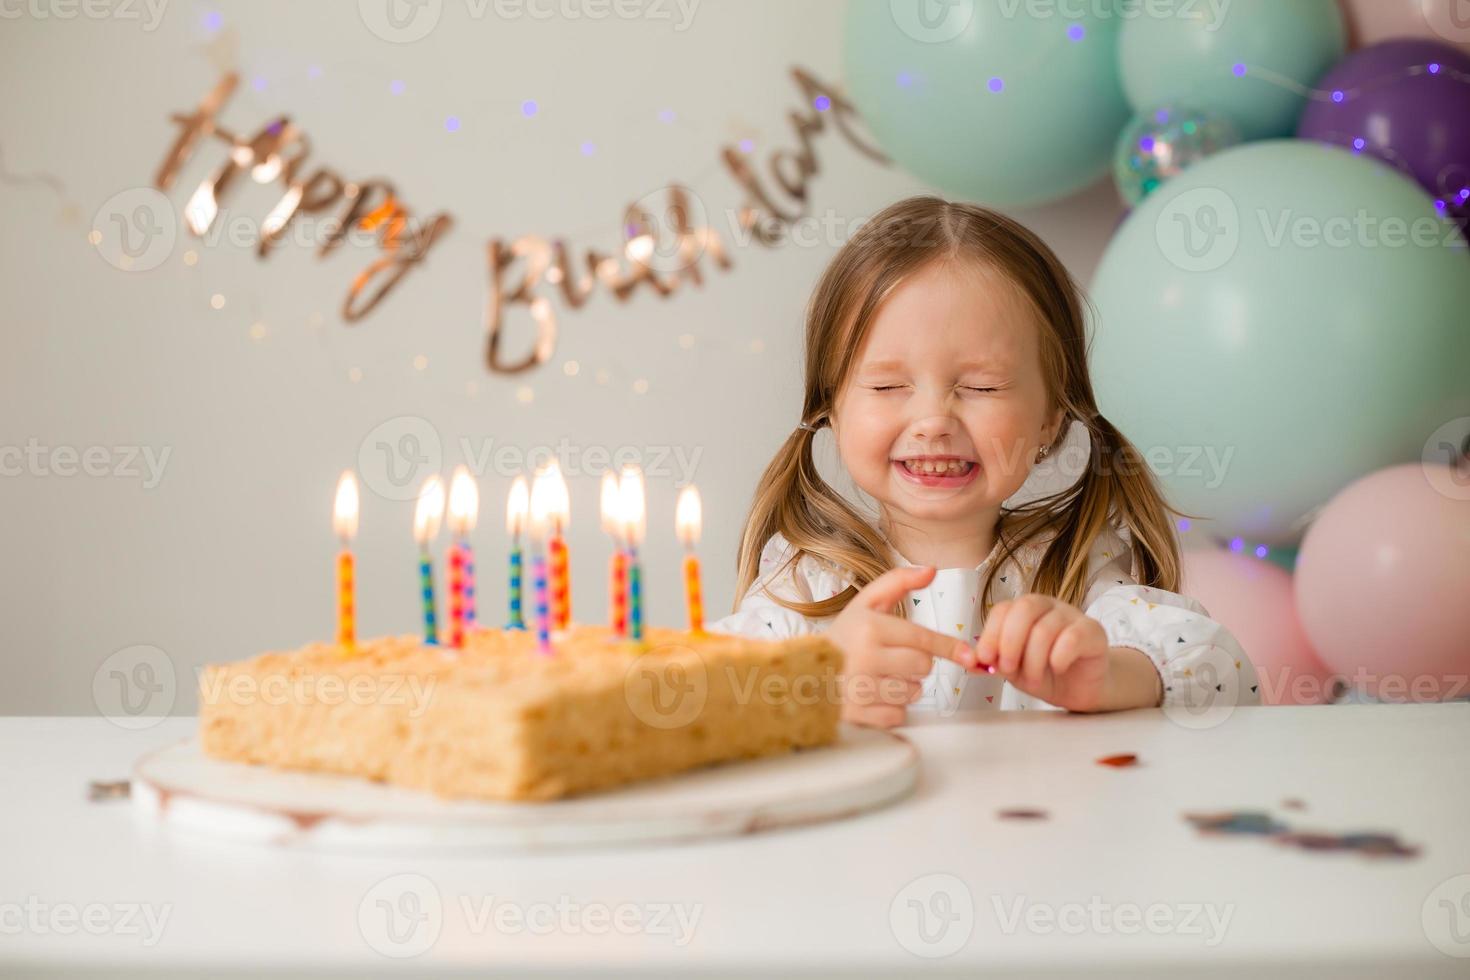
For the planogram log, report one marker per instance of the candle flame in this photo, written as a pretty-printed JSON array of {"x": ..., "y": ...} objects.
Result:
[
  {"x": 630, "y": 489},
  {"x": 560, "y": 504},
  {"x": 464, "y": 503},
  {"x": 688, "y": 516},
  {"x": 344, "y": 511},
  {"x": 517, "y": 506},
  {"x": 612, "y": 504},
  {"x": 428, "y": 514},
  {"x": 543, "y": 502}
]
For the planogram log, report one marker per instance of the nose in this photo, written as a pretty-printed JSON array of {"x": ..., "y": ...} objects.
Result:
[{"x": 936, "y": 427}]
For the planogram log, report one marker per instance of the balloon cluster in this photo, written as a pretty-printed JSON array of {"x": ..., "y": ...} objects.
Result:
[{"x": 1282, "y": 315}]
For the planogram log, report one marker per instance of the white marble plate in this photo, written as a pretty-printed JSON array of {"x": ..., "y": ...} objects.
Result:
[{"x": 183, "y": 789}]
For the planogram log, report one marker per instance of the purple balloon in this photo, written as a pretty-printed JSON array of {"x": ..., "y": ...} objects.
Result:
[{"x": 1407, "y": 103}]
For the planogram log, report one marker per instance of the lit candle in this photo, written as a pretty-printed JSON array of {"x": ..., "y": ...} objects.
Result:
[
  {"x": 543, "y": 502},
  {"x": 630, "y": 489},
  {"x": 517, "y": 505},
  {"x": 687, "y": 519},
  {"x": 344, "y": 523},
  {"x": 617, "y": 578},
  {"x": 464, "y": 508},
  {"x": 428, "y": 514},
  {"x": 557, "y": 559}
]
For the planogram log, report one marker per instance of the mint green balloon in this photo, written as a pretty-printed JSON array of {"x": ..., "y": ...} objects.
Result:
[
  {"x": 1189, "y": 50},
  {"x": 1276, "y": 321},
  {"x": 989, "y": 101}
]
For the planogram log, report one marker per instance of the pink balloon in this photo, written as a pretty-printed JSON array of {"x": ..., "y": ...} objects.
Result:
[
  {"x": 1371, "y": 21},
  {"x": 1383, "y": 583},
  {"x": 1253, "y": 599}
]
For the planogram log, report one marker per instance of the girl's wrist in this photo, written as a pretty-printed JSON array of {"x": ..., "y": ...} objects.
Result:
[{"x": 1132, "y": 681}]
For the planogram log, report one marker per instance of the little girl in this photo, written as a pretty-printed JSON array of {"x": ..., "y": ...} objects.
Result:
[{"x": 946, "y": 350}]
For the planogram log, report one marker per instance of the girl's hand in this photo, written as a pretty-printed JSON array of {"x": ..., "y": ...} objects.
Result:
[
  {"x": 886, "y": 658},
  {"x": 1053, "y": 651}
]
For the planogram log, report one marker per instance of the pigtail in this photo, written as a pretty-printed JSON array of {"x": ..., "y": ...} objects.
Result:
[
  {"x": 1117, "y": 490},
  {"x": 793, "y": 499}
]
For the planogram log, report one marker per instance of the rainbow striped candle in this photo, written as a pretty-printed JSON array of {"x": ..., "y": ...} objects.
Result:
[
  {"x": 468, "y": 554},
  {"x": 346, "y": 611},
  {"x": 635, "y": 597},
  {"x": 426, "y": 586},
  {"x": 464, "y": 507},
  {"x": 687, "y": 520},
  {"x": 344, "y": 522},
  {"x": 542, "y": 506},
  {"x": 559, "y": 562},
  {"x": 556, "y": 560},
  {"x": 617, "y": 599},
  {"x": 428, "y": 514},
  {"x": 455, "y": 559},
  {"x": 543, "y": 608},
  {"x": 630, "y": 493},
  {"x": 517, "y": 505},
  {"x": 617, "y": 574}
]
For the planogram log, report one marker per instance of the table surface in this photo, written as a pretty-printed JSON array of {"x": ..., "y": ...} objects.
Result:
[{"x": 1114, "y": 880}]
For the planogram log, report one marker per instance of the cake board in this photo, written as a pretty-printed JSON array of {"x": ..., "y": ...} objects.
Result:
[{"x": 180, "y": 788}]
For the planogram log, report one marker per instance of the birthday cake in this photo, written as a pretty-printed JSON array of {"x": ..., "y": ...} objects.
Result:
[{"x": 500, "y": 719}]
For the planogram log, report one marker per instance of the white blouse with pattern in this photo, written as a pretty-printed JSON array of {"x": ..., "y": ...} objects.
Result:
[{"x": 1201, "y": 663}]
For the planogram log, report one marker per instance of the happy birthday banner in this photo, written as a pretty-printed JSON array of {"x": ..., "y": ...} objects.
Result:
[{"x": 518, "y": 268}]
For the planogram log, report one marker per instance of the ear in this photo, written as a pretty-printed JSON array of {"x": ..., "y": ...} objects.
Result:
[{"x": 1053, "y": 427}]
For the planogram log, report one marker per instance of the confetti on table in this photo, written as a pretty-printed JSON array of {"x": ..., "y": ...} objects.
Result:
[
  {"x": 108, "y": 789},
  {"x": 1241, "y": 822},
  {"x": 1119, "y": 761},
  {"x": 1022, "y": 813},
  {"x": 1366, "y": 843}
]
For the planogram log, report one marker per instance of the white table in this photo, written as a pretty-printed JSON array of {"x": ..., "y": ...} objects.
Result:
[{"x": 1115, "y": 882}]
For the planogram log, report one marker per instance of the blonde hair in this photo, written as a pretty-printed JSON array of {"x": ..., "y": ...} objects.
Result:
[{"x": 793, "y": 499}]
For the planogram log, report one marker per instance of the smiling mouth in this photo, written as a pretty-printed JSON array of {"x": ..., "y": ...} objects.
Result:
[{"x": 937, "y": 465}]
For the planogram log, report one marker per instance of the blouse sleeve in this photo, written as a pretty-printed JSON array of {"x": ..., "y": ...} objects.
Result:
[
  {"x": 1201, "y": 664},
  {"x": 759, "y": 614}
]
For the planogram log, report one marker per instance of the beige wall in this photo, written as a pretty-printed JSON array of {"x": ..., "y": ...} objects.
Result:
[{"x": 230, "y": 552}]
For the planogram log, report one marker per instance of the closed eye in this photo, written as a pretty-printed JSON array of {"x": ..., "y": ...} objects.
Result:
[{"x": 971, "y": 388}]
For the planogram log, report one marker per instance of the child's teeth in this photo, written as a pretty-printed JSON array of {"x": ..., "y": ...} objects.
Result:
[{"x": 952, "y": 467}]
